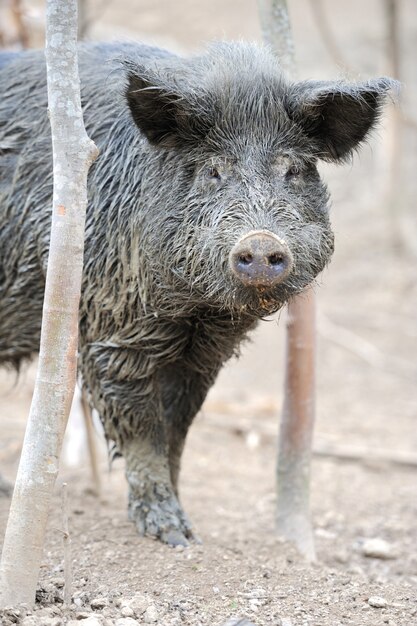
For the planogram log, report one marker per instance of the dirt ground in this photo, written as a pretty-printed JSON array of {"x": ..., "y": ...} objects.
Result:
[{"x": 364, "y": 471}]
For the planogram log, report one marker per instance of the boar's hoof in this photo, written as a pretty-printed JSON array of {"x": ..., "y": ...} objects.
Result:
[{"x": 160, "y": 516}]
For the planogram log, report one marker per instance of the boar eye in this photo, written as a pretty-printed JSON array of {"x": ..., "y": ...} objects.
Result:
[
  {"x": 213, "y": 173},
  {"x": 292, "y": 172}
]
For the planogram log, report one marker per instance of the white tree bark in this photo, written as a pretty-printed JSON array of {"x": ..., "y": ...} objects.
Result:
[
  {"x": 297, "y": 421},
  {"x": 73, "y": 153}
]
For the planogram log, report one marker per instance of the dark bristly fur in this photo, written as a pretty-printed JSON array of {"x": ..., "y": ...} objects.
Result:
[{"x": 194, "y": 154}]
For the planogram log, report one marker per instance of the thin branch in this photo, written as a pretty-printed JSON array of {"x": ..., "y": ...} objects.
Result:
[
  {"x": 238, "y": 621},
  {"x": 365, "y": 350},
  {"x": 21, "y": 29},
  {"x": 5, "y": 487},
  {"x": 67, "y": 548},
  {"x": 367, "y": 456},
  {"x": 322, "y": 448},
  {"x": 87, "y": 19},
  {"x": 393, "y": 38},
  {"x": 276, "y": 31},
  {"x": 91, "y": 441}
]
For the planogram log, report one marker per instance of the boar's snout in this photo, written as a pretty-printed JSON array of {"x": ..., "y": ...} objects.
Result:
[{"x": 261, "y": 259}]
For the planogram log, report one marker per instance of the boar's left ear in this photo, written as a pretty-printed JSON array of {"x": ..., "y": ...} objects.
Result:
[{"x": 338, "y": 116}]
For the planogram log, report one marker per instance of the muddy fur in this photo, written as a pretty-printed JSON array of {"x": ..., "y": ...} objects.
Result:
[{"x": 194, "y": 154}]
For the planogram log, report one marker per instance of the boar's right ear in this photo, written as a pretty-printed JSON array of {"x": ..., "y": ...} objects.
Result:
[
  {"x": 160, "y": 110},
  {"x": 338, "y": 116}
]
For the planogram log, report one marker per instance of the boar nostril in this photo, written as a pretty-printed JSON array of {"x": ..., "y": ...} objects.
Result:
[
  {"x": 275, "y": 259},
  {"x": 245, "y": 259}
]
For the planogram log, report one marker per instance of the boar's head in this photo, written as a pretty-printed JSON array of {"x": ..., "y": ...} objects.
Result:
[{"x": 240, "y": 218}]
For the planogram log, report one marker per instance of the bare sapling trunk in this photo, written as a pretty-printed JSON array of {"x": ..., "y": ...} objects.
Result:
[
  {"x": 67, "y": 547},
  {"x": 296, "y": 429},
  {"x": 21, "y": 29},
  {"x": 276, "y": 31},
  {"x": 91, "y": 442},
  {"x": 401, "y": 240},
  {"x": 297, "y": 421},
  {"x": 73, "y": 153},
  {"x": 5, "y": 487}
]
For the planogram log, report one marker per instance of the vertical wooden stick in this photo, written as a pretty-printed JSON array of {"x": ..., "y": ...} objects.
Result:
[
  {"x": 22, "y": 32},
  {"x": 5, "y": 487},
  {"x": 73, "y": 153},
  {"x": 394, "y": 192},
  {"x": 82, "y": 19},
  {"x": 276, "y": 31},
  {"x": 67, "y": 548},
  {"x": 297, "y": 422},
  {"x": 91, "y": 442}
]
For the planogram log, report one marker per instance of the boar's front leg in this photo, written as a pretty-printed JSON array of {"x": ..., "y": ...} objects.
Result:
[
  {"x": 124, "y": 388},
  {"x": 183, "y": 392}
]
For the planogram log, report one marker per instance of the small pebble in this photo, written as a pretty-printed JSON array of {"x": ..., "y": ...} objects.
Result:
[
  {"x": 138, "y": 604},
  {"x": 48, "y": 611},
  {"x": 58, "y": 582},
  {"x": 377, "y": 602},
  {"x": 151, "y": 614},
  {"x": 127, "y": 611},
  {"x": 51, "y": 621},
  {"x": 341, "y": 556},
  {"x": 90, "y": 621},
  {"x": 12, "y": 613},
  {"x": 99, "y": 603},
  {"x": 126, "y": 621},
  {"x": 31, "y": 620},
  {"x": 378, "y": 549}
]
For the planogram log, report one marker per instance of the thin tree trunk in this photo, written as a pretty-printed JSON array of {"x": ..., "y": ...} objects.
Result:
[
  {"x": 21, "y": 30},
  {"x": 276, "y": 31},
  {"x": 296, "y": 429},
  {"x": 82, "y": 19},
  {"x": 5, "y": 487},
  {"x": 297, "y": 421},
  {"x": 395, "y": 194},
  {"x": 91, "y": 441},
  {"x": 73, "y": 152}
]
